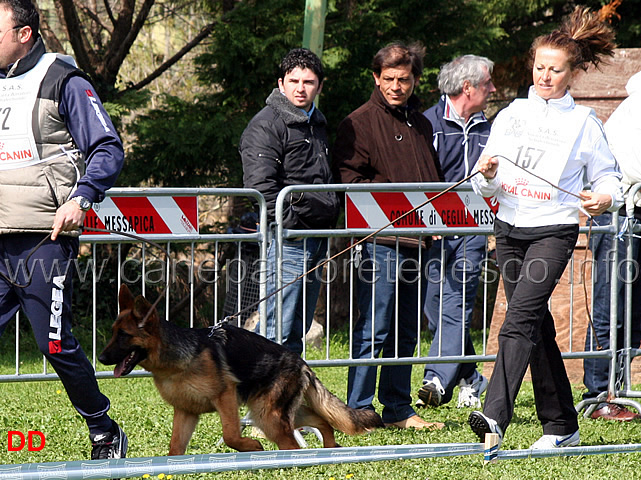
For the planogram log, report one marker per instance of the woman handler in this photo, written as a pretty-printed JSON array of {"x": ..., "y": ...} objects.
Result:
[{"x": 539, "y": 152}]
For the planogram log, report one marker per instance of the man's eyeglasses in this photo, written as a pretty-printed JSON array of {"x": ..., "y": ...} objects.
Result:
[{"x": 17, "y": 27}]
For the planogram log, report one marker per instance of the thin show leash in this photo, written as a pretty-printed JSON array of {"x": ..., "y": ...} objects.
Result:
[
  {"x": 409, "y": 212},
  {"x": 12, "y": 281},
  {"x": 427, "y": 202},
  {"x": 29, "y": 275},
  {"x": 353, "y": 245},
  {"x": 252, "y": 306},
  {"x": 585, "y": 253},
  {"x": 325, "y": 262}
]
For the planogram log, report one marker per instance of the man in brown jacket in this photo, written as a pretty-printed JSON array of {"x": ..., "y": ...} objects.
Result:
[{"x": 388, "y": 140}]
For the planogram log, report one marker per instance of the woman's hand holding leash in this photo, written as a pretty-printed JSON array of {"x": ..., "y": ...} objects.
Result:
[
  {"x": 488, "y": 166},
  {"x": 595, "y": 203}
]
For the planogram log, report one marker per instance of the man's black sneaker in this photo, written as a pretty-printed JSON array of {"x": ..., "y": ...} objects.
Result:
[
  {"x": 109, "y": 445},
  {"x": 482, "y": 425},
  {"x": 430, "y": 393}
]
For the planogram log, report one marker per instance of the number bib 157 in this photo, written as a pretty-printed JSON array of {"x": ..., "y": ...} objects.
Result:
[{"x": 539, "y": 142}]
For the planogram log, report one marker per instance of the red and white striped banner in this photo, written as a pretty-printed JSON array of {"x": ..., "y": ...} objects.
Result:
[
  {"x": 453, "y": 209},
  {"x": 144, "y": 215}
]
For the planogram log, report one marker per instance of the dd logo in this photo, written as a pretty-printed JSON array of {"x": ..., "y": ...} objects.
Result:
[{"x": 16, "y": 441}]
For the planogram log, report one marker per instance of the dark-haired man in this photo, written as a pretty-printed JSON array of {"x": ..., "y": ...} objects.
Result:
[
  {"x": 69, "y": 155},
  {"x": 286, "y": 144},
  {"x": 388, "y": 140}
]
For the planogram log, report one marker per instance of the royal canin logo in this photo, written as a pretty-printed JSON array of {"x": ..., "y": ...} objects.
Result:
[
  {"x": 16, "y": 155},
  {"x": 522, "y": 181}
]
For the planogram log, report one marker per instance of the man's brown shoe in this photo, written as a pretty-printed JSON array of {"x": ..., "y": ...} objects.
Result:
[
  {"x": 416, "y": 422},
  {"x": 612, "y": 411}
]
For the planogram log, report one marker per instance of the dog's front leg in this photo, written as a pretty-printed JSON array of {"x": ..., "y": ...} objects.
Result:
[
  {"x": 184, "y": 426},
  {"x": 227, "y": 407}
]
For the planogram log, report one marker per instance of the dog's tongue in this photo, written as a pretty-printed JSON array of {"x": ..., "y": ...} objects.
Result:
[{"x": 120, "y": 368}]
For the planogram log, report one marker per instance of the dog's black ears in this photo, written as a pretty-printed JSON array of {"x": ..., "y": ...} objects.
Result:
[
  {"x": 125, "y": 298},
  {"x": 139, "y": 306},
  {"x": 141, "y": 310}
]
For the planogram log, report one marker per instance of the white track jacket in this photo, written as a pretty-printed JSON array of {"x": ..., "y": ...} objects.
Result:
[{"x": 541, "y": 145}]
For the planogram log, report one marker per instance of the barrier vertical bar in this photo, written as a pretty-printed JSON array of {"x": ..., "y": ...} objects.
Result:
[
  {"x": 17, "y": 342},
  {"x": 144, "y": 268},
  {"x": 167, "y": 281},
  {"x": 304, "y": 280},
  {"x": 614, "y": 307},
  {"x": 262, "y": 288},
  {"x": 94, "y": 311},
  {"x": 191, "y": 285}
]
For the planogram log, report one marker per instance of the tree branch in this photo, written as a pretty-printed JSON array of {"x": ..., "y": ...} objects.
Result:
[
  {"x": 48, "y": 35},
  {"x": 92, "y": 15},
  {"x": 109, "y": 11},
  {"x": 84, "y": 56},
  {"x": 119, "y": 47},
  {"x": 173, "y": 60},
  {"x": 204, "y": 33}
]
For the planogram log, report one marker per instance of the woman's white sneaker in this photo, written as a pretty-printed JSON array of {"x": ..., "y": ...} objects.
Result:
[{"x": 547, "y": 442}]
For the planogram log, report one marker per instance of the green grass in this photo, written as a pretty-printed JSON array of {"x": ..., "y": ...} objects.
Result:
[{"x": 137, "y": 406}]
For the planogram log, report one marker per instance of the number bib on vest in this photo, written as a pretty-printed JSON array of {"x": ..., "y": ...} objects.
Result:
[
  {"x": 537, "y": 141},
  {"x": 18, "y": 97}
]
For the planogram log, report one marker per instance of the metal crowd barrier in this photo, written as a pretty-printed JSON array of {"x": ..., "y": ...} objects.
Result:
[
  {"x": 353, "y": 234},
  {"x": 146, "y": 256},
  {"x": 416, "y": 193},
  {"x": 630, "y": 351},
  {"x": 619, "y": 356}
]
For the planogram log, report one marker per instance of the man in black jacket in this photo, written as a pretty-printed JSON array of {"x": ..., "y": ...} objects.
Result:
[{"x": 286, "y": 144}]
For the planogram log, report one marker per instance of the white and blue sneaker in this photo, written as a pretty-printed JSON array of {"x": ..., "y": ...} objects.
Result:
[{"x": 547, "y": 442}]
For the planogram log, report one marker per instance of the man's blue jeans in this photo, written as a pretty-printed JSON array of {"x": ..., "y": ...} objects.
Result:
[
  {"x": 377, "y": 332},
  {"x": 299, "y": 299},
  {"x": 456, "y": 268},
  {"x": 607, "y": 256}
]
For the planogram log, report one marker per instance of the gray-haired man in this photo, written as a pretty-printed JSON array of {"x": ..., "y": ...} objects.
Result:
[{"x": 460, "y": 132}]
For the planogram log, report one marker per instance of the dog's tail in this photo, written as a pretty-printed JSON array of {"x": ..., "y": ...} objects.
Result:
[{"x": 336, "y": 413}]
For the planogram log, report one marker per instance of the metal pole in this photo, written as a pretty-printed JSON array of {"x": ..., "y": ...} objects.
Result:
[{"x": 314, "y": 30}]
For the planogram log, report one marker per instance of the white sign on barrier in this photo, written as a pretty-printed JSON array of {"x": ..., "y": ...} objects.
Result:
[
  {"x": 145, "y": 215},
  {"x": 452, "y": 209}
]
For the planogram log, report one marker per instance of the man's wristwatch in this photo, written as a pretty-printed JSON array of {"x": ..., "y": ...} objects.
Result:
[{"x": 84, "y": 203}]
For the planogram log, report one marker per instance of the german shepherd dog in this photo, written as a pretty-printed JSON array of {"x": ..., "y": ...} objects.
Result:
[{"x": 216, "y": 369}]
